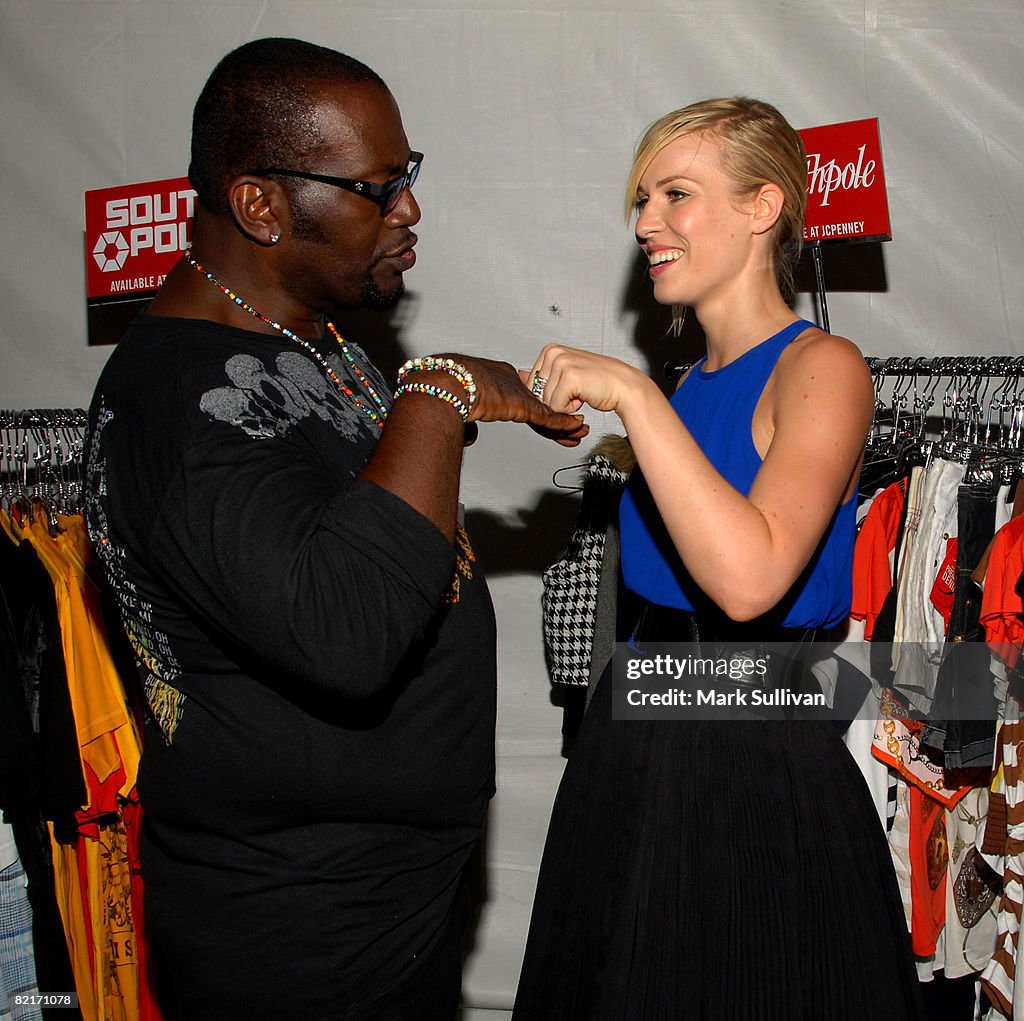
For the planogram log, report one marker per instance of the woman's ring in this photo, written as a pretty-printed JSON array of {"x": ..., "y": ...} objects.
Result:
[{"x": 537, "y": 389}]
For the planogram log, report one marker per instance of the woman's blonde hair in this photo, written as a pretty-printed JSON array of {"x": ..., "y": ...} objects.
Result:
[{"x": 758, "y": 146}]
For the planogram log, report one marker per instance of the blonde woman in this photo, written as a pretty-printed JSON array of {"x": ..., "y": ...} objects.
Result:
[{"x": 736, "y": 868}]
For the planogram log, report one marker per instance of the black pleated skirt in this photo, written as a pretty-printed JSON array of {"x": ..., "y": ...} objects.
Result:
[{"x": 715, "y": 870}]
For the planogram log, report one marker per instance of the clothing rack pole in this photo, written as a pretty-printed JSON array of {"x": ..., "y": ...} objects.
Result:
[
  {"x": 975, "y": 366},
  {"x": 819, "y": 277},
  {"x": 42, "y": 418}
]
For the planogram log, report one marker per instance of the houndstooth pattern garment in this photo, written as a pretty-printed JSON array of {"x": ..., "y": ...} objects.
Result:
[{"x": 569, "y": 596}]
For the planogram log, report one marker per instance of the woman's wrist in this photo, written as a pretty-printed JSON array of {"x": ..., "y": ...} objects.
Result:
[{"x": 638, "y": 398}]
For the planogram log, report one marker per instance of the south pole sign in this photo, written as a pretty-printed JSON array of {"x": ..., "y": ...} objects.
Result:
[
  {"x": 846, "y": 198},
  {"x": 134, "y": 234}
]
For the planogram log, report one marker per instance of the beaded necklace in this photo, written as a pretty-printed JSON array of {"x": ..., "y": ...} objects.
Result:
[{"x": 377, "y": 419}]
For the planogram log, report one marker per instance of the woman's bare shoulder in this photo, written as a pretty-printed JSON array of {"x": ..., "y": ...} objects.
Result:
[{"x": 815, "y": 354}]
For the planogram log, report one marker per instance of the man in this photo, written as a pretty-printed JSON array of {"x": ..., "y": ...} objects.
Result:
[{"x": 315, "y": 641}]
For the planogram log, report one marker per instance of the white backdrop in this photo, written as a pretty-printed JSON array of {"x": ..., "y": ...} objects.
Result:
[{"x": 528, "y": 114}]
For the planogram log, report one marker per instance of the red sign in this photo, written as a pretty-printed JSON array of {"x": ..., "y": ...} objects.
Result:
[
  {"x": 134, "y": 234},
  {"x": 845, "y": 183}
]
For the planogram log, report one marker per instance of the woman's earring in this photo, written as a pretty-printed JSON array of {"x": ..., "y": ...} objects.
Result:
[{"x": 274, "y": 238}]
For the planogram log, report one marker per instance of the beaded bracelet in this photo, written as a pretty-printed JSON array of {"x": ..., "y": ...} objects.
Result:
[
  {"x": 449, "y": 365},
  {"x": 435, "y": 391}
]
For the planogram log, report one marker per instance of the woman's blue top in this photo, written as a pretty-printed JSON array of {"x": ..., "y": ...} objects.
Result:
[{"x": 718, "y": 410}]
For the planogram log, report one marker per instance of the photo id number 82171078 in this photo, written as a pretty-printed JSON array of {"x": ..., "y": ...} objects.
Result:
[{"x": 45, "y": 999}]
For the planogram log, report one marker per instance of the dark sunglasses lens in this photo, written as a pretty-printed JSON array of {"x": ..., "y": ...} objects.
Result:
[
  {"x": 393, "y": 193},
  {"x": 397, "y": 186}
]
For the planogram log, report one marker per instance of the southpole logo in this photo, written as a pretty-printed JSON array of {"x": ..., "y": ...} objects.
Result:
[
  {"x": 823, "y": 178},
  {"x": 155, "y": 224}
]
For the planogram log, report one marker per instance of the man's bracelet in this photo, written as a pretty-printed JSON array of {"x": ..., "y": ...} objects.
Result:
[
  {"x": 435, "y": 391},
  {"x": 449, "y": 365}
]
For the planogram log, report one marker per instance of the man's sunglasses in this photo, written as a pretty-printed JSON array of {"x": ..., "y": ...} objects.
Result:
[{"x": 386, "y": 195}]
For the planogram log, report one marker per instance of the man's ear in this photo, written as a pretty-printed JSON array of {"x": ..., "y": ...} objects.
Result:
[
  {"x": 767, "y": 207},
  {"x": 254, "y": 204}
]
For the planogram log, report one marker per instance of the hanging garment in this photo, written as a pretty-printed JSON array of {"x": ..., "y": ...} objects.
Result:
[
  {"x": 898, "y": 836},
  {"x": 40, "y": 772},
  {"x": 972, "y": 888},
  {"x": 1001, "y": 603},
  {"x": 1001, "y": 616},
  {"x": 919, "y": 631},
  {"x": 569, "y": 600},
  {"x": 929, "y": 863},
  {"x": 852, "y": 655},
  {"x": 883, "y": 636},
  {"x": 897, "y": 743},
  {"x": 874, "y": 552},
  {"x": 999, "y": 979},
  {"x": 964, "y": 742},
  {"x": 93, "y": 871}
]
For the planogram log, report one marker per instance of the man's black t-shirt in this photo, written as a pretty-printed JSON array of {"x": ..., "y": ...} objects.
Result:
[{"x": 321, "y": 748}]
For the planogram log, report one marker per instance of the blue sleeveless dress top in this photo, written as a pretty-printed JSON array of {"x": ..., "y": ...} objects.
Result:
[{"x": 718, "y": 410}]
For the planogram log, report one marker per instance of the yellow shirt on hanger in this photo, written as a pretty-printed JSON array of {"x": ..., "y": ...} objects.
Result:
[{"x": 97, "y": 917}]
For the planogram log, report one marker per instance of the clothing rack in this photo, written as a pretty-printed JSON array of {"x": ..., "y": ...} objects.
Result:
[
  {"x": 41, "y": 459},
  {"x": 963, "y": 408}
]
